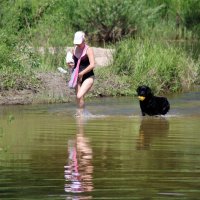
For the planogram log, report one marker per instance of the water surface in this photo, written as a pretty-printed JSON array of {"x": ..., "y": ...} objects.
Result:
[{"x": 47, "y": 153}]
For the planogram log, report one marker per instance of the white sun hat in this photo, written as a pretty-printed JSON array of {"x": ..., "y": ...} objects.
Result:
[{"x": 79, "y": 37}]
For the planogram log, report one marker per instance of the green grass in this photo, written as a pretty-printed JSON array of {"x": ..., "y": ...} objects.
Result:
[{"x": 164, "y": 67}]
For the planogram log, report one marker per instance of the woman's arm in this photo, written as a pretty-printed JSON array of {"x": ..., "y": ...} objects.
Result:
[{"x": 69, "y": 59}]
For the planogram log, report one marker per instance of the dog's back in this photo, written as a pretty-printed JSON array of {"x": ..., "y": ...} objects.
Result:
[
  {"x": 157, "y": 106},
  {"x": 150, "y": 104}
]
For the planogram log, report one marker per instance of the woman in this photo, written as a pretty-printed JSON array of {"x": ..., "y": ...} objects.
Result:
[{"x": 86, "y": 73}]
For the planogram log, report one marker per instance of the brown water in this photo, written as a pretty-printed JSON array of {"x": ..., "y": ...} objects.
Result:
[{"x": 47, "y": 153}]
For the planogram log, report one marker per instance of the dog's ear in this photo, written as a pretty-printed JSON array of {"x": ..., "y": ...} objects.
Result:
[
  {"x": 138, "y": 89},
  {"x": 148, "y": 91}
]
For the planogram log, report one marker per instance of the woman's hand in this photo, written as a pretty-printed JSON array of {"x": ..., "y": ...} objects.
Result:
[
  {"x": 70, "y": 64},
  {"x": 80, "y": 77}
]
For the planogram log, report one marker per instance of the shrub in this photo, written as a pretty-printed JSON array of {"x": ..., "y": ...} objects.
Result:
[
  {"x": 111, "y": 20},
  {"x": 17, "y": 63}
]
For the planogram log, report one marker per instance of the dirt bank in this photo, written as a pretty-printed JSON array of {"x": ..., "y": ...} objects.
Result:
[{"x": 53, "y": 85}]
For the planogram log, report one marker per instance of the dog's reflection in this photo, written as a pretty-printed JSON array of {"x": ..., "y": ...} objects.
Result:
[
  {"x": 150, "y": 129},
  {"x": 78, "y": 170}
]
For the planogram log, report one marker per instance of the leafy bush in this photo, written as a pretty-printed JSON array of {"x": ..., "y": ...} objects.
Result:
[
  {"x": 54, "y": 28},
  {"x": 111, "y": 20},
  {"x": 192, "y": 17},
  {"x": 17, "y": 63}
]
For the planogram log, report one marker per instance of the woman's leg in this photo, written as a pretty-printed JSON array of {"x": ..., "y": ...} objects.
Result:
[{"x": 82, "y": 90}]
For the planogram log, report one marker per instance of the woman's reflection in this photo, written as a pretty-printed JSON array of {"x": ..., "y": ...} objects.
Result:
[
  {"x": 151, "y": 128},
  {"x": 79, "y": 169}
]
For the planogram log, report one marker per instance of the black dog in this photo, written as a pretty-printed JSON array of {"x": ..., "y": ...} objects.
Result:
[{"x": 150, "y": 104}]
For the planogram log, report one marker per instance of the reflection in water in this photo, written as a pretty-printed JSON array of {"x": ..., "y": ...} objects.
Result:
[
  {"x": 36, "y": 150},
  {"x": 79, "y": 169},
  {"x": 151, "y": 128}
]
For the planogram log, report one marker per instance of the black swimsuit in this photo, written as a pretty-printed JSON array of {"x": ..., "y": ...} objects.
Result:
[{"x": 84, "y": 64}]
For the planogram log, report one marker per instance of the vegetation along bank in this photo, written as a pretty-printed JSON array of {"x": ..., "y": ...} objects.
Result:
[{"x": 147, "y": 42}]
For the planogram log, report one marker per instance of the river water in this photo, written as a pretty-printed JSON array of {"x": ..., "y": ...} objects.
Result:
[{"x": 113, "y": 153}]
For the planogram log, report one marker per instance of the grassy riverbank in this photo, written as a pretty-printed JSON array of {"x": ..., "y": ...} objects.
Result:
[
  {"x": 137, "y": 30},
  {"x": 166, "y": 71},
  {"x": 162, "y": 66}
]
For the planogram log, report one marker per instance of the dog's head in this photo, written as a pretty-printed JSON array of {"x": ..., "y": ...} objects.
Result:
[{"x": 144, "y": 92}]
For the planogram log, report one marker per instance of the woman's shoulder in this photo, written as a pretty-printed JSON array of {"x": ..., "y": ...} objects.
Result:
[{"x": 89, "y": 48}]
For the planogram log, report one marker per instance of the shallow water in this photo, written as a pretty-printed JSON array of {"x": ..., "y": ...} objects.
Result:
[{"x": 112, "y": 153}]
